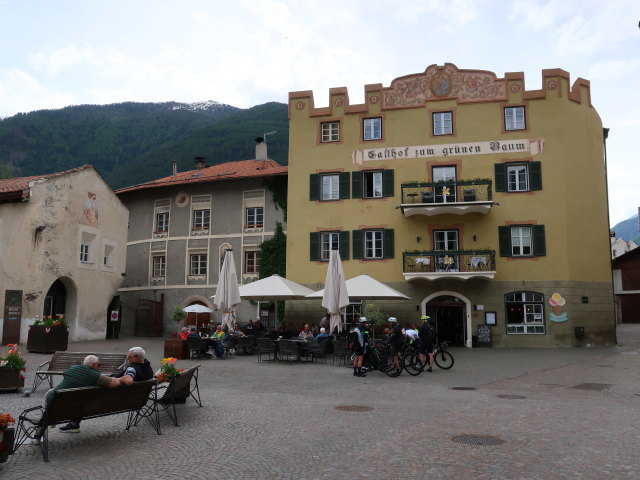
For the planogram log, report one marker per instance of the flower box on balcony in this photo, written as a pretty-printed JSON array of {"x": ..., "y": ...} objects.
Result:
[{"x": 47, "y": 339}]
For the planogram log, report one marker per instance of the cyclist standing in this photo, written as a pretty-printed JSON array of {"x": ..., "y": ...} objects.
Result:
[
  {"x": 396, "y": 339},
  {"x": 358, "y": 343},
  {"x": 427, "y": 338}
]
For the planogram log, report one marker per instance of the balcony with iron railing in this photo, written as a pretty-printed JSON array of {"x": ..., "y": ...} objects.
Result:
[
  {"x": 437, "y": 198},
  {"x": 457, "y": 264}
]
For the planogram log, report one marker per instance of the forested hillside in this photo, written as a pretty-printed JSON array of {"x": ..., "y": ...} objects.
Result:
[{"x": 130, "y": 143}]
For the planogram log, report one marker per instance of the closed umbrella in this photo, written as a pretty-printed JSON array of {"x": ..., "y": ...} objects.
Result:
[
  {"x": 335, "y": 298},
  {"x": 227, "y": 294}
]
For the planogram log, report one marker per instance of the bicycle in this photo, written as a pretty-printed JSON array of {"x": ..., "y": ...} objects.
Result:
[{"x": 442, "y": 358}]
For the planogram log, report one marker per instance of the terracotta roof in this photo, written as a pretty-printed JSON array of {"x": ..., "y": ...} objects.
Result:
[
  {"x": 223, "y": 171},
  {"x": 12, "y": 189}
]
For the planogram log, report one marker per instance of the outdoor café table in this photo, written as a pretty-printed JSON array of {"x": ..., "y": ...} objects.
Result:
[{"x": 302, "y": 346}]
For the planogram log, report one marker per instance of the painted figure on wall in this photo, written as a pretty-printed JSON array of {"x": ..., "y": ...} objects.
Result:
[
  {"x": 557, "y": 303},
  {"x": 90, "y": 209}
]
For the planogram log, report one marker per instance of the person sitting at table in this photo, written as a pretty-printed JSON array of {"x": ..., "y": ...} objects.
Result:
[
  {"x": 305, "y": 333},
  {"x": 218, "y": 336},
  {"x": 183, "y": 333},
  {"x": 206, "y": 342},
  {"x": 248, "y": 329},
  {"x": 258, "y": 329},
  {"x": 322, "y": 335}
]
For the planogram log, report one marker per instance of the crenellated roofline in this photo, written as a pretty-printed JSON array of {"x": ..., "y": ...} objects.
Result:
[{"x": 447, "y": 82}]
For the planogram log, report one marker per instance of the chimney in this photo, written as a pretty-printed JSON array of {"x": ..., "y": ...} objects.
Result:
[
  {"x": 200, "y": 163},
  {"x": 174, "y": 167},
  {"x": 261, "y": 149}
]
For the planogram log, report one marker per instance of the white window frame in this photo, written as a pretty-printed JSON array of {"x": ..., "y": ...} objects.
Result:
[
  {"x": 254, "y": 217},
  {"x": 518, "y": 178},
  {"x": 201, "y": 219},
  {"x": 159, "y": 266},
  {"x": 330, "y": 186},
  {"x": 372, "y": 128},
  {"x": 533, "y": 322},
  {"x": 165, "y": 222},
  {"x": 442, "y": 123},
  {"x": 372, "y": 184},
  {"x": 514, "y": 118},
  {"x": 328, "y": 240},
  {"x": 521, "y": 241},
  {"x": 373, "y": 244},
  {"x": 330, "y": 132},
  {"x": 255, "y": 261},
  {"x": 84, "y": 253},
  {"x": 197, "y": 264}
]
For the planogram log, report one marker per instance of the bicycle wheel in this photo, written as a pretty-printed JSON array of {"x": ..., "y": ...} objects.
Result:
[
  {"x": 412, "y": 364},
  {"x": 443, "y": 359},
  {"x": 348, "y": 362}
]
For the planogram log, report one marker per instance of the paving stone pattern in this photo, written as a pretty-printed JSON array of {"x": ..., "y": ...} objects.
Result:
[{"x": 280, "y": 421}]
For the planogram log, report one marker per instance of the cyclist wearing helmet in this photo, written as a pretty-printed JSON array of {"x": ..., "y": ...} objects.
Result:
[
  {"x": 395, "y": 342},
  {"x": 427, "y": 337},
  {"x": 358, "y": 343}
]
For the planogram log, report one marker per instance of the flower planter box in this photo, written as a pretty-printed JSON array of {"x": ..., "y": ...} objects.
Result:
[
  {"x": 6, "y": 444},
  {"x": 10, "y": 379},
  {"x": 47, "y": 339}
]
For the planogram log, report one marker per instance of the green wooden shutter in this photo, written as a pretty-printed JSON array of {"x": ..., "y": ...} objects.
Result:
[
  {"x": 535, "y": 175},
  {"x": 504, "y": 239},
  {"x": 314, "y": 246},
  {"x": 344, "y": 245},
  {"x": 500, "y": 172},
  {"x": 314, "y": 187},
  {"x": 356, "y": 184},
  {"x": 387, "y": 183},
  {"x": 357, "y": 244},
  {"x": 539, "y": 246},
  {"x": 345, "y": 179},
  {"x": 387, "y": 245}
]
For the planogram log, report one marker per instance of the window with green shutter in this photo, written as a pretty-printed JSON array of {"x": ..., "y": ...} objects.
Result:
[
  {"x": 522, "y": 241},
  {"x": 373, "y": 244}
]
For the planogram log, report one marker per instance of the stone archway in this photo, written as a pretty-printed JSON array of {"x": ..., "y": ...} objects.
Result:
[
  {"x": 62, "y": 299},
  {"x": 467, "y": 312}
]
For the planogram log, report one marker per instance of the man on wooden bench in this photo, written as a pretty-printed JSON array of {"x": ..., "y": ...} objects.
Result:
[
  {"x": 138, "y": 367},
  {"x": 85, "y": 375}
]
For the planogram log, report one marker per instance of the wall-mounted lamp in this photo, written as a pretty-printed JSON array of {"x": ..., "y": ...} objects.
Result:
[
  {"x": 418, "y": 239},
  {"x": 40, "y": 228},
  {"x": 474, "y": 238}
]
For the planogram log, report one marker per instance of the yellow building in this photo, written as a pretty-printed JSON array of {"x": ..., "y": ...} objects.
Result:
[{"x": 481, "y": 200}]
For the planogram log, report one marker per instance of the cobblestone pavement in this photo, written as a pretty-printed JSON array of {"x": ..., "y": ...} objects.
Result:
[{"x": 538, "y": 414}]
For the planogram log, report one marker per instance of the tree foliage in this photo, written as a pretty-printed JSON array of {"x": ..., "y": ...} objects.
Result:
[{"x": 131, "y": 143}]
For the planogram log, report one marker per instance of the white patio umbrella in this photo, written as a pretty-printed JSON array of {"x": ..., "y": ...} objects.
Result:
[
  {"x": 274, "y": 288},
  {"x": 227, "y": 294},
  {"x": 335, "y": 298},
  {"x": 197, "y": 308},
  {"x": 365, "y": 287}
]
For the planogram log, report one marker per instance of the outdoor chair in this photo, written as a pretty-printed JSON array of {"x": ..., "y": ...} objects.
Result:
[
  {"x": 165, "y": 396},
  {"x": 194, "y": 344},
  {"x": 340, "y": 351},
  {"x": 287, "y": 350},
  {"x": 266, "y": 346},
  {"x": 318, "y": 351},
  {"x": 246, "y": 346}
]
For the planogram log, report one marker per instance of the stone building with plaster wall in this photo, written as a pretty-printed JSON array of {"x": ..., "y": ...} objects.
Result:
[
  {"x": 180, "y": 228},
  {"x": 63, "y": 242}
]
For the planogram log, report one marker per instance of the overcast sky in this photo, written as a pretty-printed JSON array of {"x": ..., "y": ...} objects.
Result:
[{"x": 245, "y": 53}]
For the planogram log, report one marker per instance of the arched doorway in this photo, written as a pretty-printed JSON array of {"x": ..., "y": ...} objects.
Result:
[
  {"x": 55, "y": 300},
  {"x": 450, "y": 312}
]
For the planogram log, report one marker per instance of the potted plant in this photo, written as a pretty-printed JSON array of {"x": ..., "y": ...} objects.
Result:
[
  {"x": 167, "y": 372},
  {"x": 12, "y": 368},
  {"x": 48, "y": 334},
  {"x": 6, "y": 436},
  {"x": 178, "y": 316}
]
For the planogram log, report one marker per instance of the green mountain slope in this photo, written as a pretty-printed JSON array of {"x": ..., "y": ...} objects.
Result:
[{"x": 129, "y": 143}]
